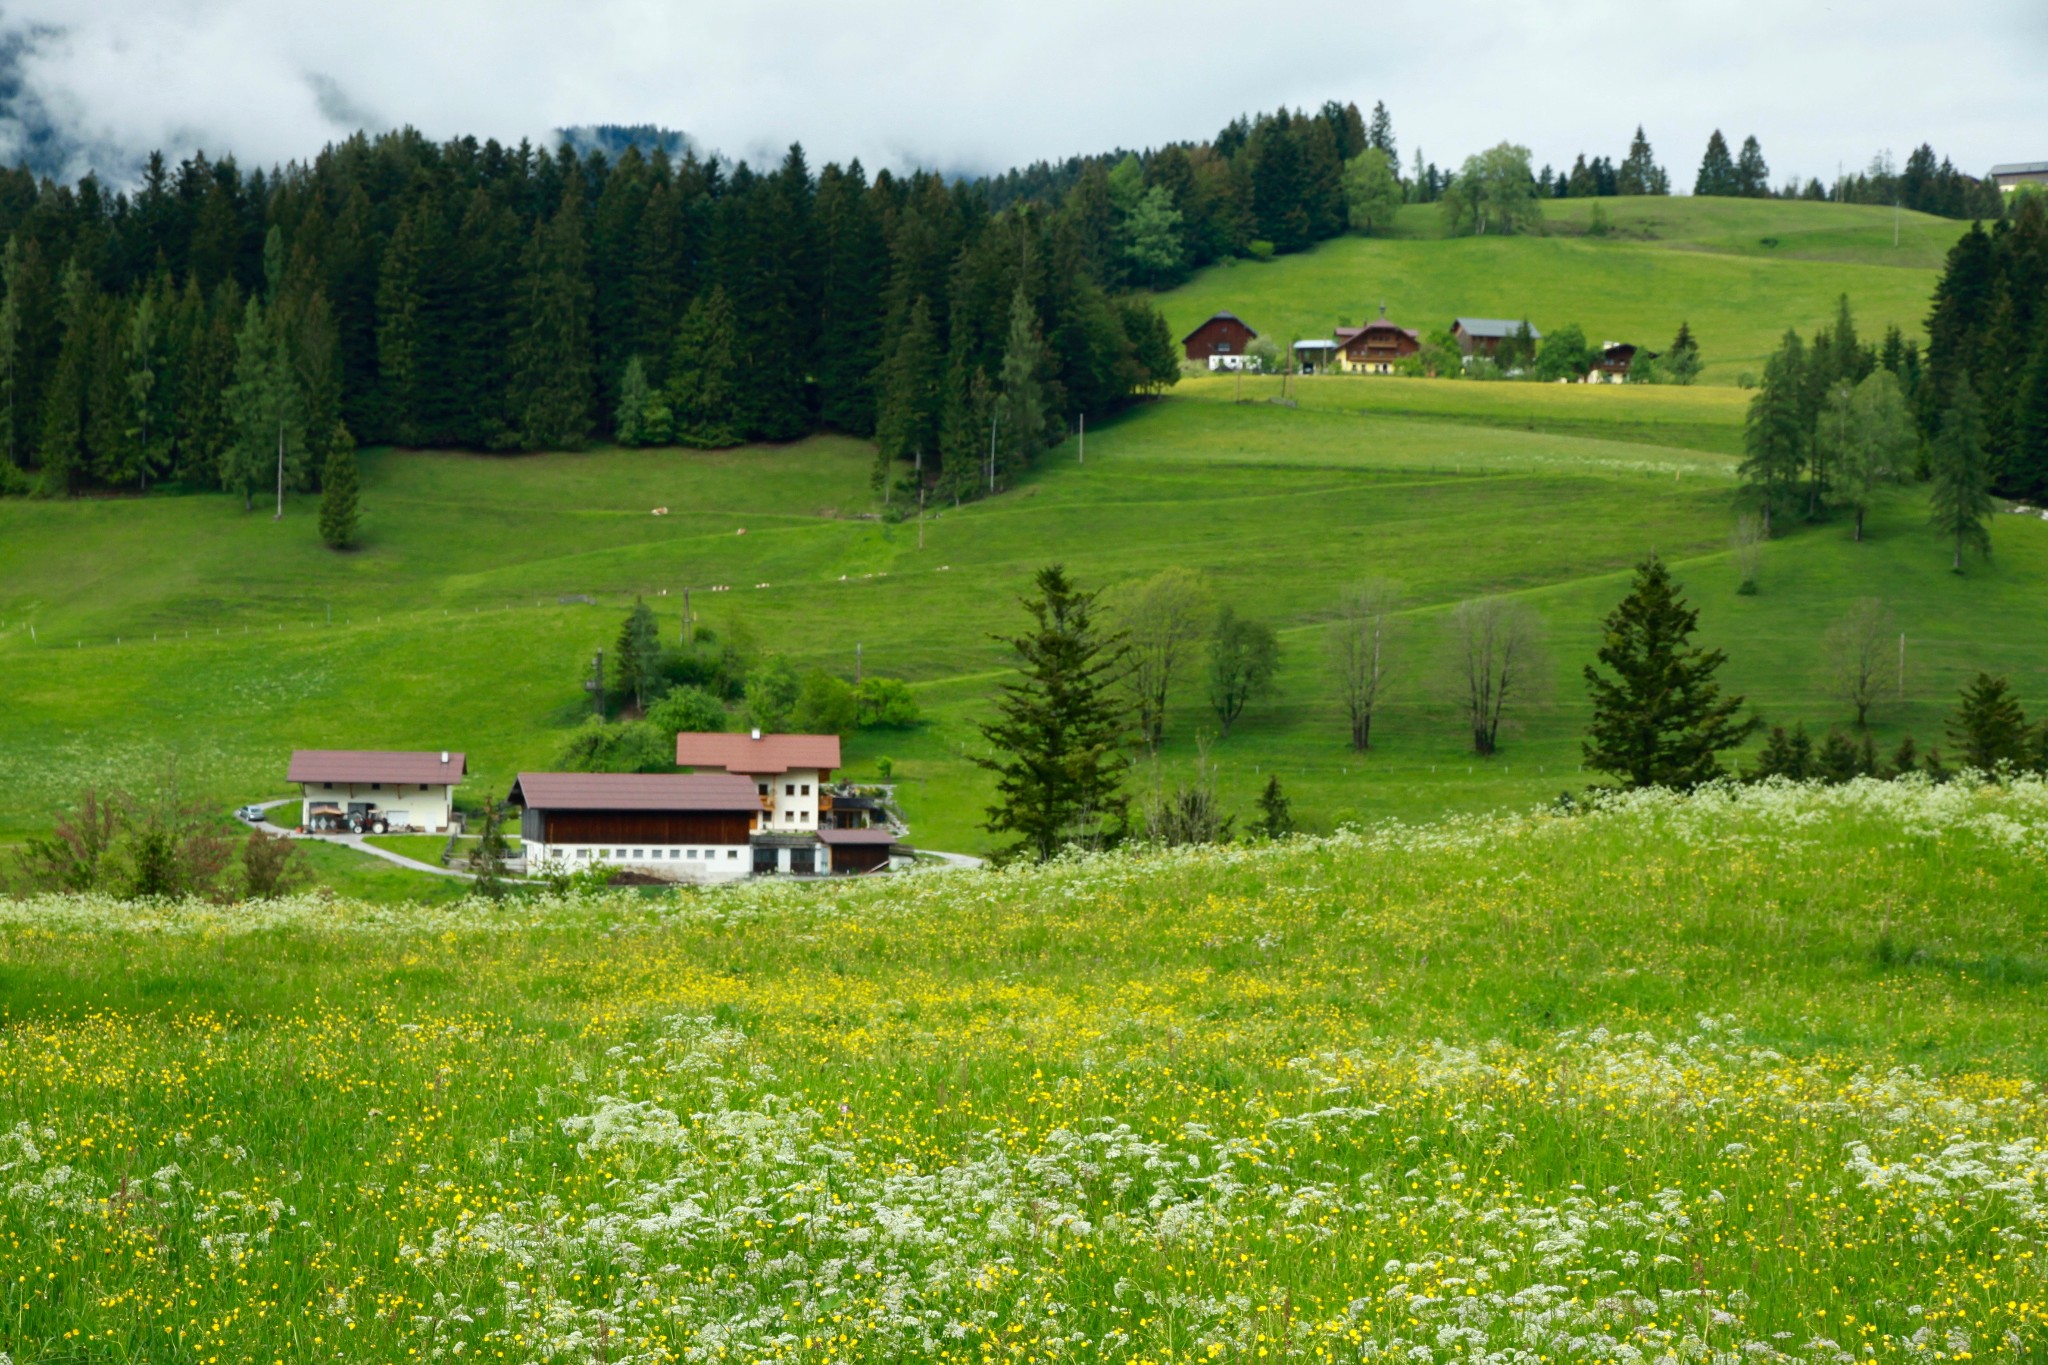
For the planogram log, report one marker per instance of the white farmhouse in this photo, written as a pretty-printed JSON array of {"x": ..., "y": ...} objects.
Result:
[{"x": 348, "y": 788}]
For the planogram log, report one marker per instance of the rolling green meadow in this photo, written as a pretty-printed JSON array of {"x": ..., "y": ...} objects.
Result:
[
  {"x": 1738, "y": 272},
  {"x": 1458, "y": 1073}
]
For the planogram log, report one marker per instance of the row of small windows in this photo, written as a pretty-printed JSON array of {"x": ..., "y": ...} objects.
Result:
[
  {"x": 395, "y": 786},
  {"x": 643, "y": 854}
]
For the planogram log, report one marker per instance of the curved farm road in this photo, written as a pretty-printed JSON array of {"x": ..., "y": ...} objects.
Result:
[{"x": 355, "y": 841}]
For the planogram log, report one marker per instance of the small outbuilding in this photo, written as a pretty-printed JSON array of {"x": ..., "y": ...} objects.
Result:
[
  {"x": 1221, "y": 343},
  {"x": 361, "y": 789}
]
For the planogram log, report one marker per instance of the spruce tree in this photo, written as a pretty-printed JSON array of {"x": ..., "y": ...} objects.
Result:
[
  {"x": 148, "y": 394},
  {"x": 1682, "y": 361},
  {"x": 1021, "y": 410},
  {"x": 629, "y": 421},
  {"x": 636, "y": 658},
  {"x": 907, "y": 422},
  {"x": 553, "y": 386},
  {"x": 1060, "y": 729},
  {"x": 340, "y": 492},
  {"x": 62, "y": 450},
  {"x": 1988, "y": 728},
  {"x": 1717, "y": 169},
  {"x": 265, "y": 408},
  {"x": 1775, "y": 432},
  {"x": 1752, "y": 176},
  {"x": 1661, "y": 720},
  {"x": 1640, "y": 173},
  {"x": 2030, "y": 433},
  {"x": 856, "y": 270},
  {"x": 703, "y": 375},
  {"x": 1380, "y": 132},
  {"x": 1959, "y": 499}
]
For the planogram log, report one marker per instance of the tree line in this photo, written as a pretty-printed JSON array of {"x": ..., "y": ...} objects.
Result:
[{"x": 466, "y": 294}]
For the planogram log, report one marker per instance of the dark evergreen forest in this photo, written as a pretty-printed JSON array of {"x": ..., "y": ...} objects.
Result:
[
  {"x": 228, "y": 328},
  {"x": 1988, "y": 334}
]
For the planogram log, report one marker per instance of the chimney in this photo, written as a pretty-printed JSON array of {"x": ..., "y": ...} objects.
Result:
[
  {"x": 444, "y": 755},
  {"x": 757, "y": 732}
]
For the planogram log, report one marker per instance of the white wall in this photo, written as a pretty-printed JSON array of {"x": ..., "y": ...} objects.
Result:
[
  {"x": 687, "y": 863},
  {"x": 426, "y": 808}
]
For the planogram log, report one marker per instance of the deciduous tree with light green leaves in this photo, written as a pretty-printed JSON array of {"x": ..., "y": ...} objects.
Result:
[
  {"x": 1372, "y": 192},
  {"x": 1147, "y": 227},
  {"x": 1871, "y": 432},
  {"x": 1494, "y": 192}
]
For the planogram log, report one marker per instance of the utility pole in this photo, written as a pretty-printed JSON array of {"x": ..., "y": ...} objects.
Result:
[
  {"x": 280, "y": 473},
  {"x": 687, "y": 632},
  {"x": 1902, "y": 665},
  {"x": 920, "y": 516},
  {"x": 1084, "y": 439},
  {"x": 995, "y": 420},
  {"x": 856, "y": 663},
  {"x": 597, "y": 684}
]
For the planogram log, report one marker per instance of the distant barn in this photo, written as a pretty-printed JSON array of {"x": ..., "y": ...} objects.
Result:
[
  {"x": 2014, "y": 174},
  {"x": 1483, "y": 336},
  {"x": 1221, "y": 342}
]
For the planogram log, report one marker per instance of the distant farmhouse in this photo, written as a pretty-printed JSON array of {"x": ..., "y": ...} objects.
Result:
[
  {"x": 358, "y": 790},
  {"x": 1376, "y": 347},
  {"x": 756, "y": 804},
  {"x": 1221, "y": 343},
  {"x": 1483, "y": 336},
  {"x": 1615, "y": 359},
  {"x": 2014, "y": 174}
]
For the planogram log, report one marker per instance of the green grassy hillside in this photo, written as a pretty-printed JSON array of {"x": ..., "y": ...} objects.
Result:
[
  {"x": 1654, "y": 1083},
  {"x": 180, "y": 626},
  {"x": 1738, "y": 271}
]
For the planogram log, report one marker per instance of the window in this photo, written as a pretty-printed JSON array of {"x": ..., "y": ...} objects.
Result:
[
  {"x": 692, "y": 852},
  {"x": 788, "y": 816},
  {"x": 1223, "y": 348},
  {"x": 423, "y": 786},
  {"x": 763, "y": 786},
  {"x": 583, "y": 853},
  {"x": 732, "y": 853},
  {"x": 789, "y": 789},
  {"x": 376, "y": 786},
  {"x": 638, "y": 854},
  {"x": 807, "y": 789}
]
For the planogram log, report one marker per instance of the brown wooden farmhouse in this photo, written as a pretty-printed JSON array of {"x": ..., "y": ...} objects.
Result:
[
  {"x": 1220, "y": 343},
  {"x": 1376, "y": 347}
]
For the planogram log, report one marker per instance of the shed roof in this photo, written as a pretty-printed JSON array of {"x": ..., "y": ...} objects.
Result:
[
  {"x": 1492, "y": 327},
  {"x": 1220, "y": 317},
  {"x": 756, "y": 753},
  {"x": 376, "y": 765},
  {"x": 2021, "y": 168},
  {"x": 855, "y": 838},
  {"x": 634, "y": 791}
]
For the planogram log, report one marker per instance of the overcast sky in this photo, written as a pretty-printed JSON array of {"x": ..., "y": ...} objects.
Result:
[{"x": 963, "y": 85}]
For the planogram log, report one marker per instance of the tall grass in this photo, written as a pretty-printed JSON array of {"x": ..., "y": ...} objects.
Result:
[{"x": 1752, "y": 1075}]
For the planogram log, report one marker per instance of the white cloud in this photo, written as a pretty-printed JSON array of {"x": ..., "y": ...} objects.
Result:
[{"x": 970, "y": 85}]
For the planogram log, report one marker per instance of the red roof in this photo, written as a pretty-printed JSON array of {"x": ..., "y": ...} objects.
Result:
[
  {"x": 375, "y": 765},
  {"x": 763, "y": 754},
  {"x": 634, "y": 791}
]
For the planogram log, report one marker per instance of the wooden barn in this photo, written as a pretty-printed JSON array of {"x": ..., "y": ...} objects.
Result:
[
  {"x": 684, "y": 826},
  {"x": 1221, "y": 343},
  {"x": 1483, "y": 336}
]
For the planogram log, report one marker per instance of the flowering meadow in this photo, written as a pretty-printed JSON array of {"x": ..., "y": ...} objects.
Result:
[{"x": 1750, "y": 1076}]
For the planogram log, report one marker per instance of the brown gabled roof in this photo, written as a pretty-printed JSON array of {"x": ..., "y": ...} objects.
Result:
[
  {"x": 634, "y": 791},
  {"x": 1220, "y": 317},
  {"x": 375, "y": 765},
  {"x": 766, "y": 754}
]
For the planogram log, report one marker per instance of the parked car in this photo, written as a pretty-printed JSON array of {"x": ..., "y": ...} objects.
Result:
[{"x": 253, "y": 814}]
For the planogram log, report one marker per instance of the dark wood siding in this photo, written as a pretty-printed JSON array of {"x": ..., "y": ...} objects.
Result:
[
  {"x": 1218, "y": 336},
  {"x": 645, "y": 827},
  {"x": 859, "y": 857}
]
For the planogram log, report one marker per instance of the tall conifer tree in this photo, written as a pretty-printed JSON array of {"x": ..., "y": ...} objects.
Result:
[
  {"x": 1959, "y": 499},
  {"x": 552, "y": 384},
  {"x": 1660, "y": 719}
]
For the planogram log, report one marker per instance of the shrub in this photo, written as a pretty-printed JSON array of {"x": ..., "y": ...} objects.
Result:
[{"x": 887, "y": 704}]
